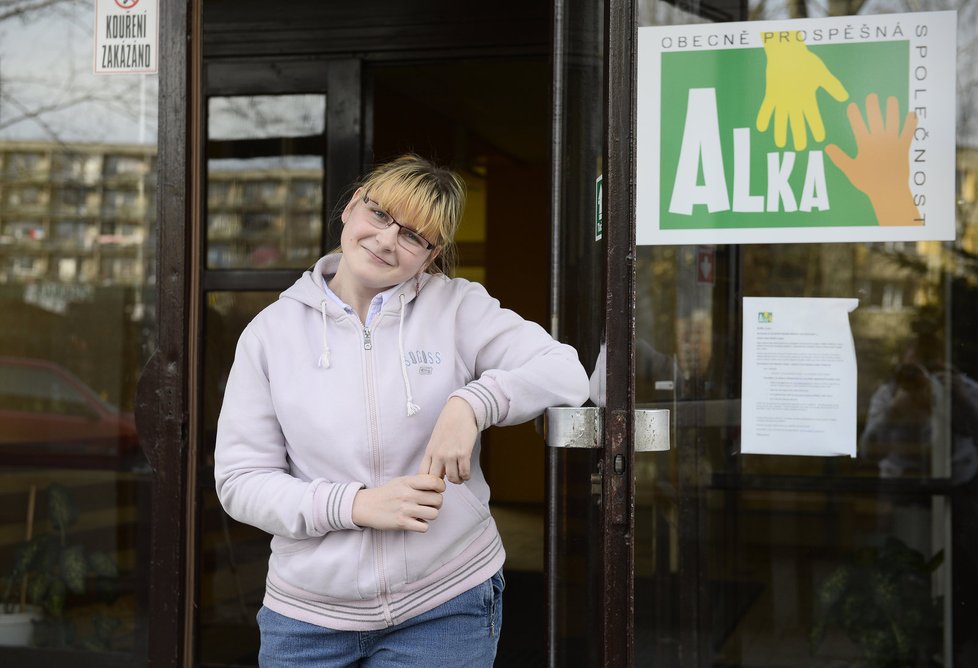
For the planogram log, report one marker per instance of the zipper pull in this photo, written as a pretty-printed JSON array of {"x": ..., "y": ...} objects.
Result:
[{"x": 367, "y": 345}]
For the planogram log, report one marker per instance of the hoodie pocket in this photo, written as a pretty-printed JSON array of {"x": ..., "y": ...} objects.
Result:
[
  {"x": 325, "y": 566},
  {"x": 461, "y": 519}
]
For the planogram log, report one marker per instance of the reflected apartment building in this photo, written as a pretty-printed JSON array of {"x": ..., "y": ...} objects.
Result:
[
  {"x": 75, "y": 214},
  {"x": 77, "y": 240}
]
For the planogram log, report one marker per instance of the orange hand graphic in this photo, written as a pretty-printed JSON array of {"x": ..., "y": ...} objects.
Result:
[
  {"x": 792, "y": 78},
  {"x": 881, "y": 166}
]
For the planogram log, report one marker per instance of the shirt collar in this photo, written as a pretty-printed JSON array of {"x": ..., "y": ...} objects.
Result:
[{"x": 376, "y": 304}]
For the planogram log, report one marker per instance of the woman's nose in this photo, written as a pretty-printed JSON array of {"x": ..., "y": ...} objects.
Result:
[{"x": 388, "y": 236}]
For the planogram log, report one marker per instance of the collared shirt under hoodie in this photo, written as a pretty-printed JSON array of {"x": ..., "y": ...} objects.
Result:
[{"x": 297, "y": 439}]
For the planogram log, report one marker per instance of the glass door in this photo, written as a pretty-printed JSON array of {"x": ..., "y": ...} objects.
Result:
[
  {"x": 589, "y": 485},
  {"x": 791, "y": 560},
  {"x": 735, "y": 558},
  {"x": 277, "y": 154},
  {"x": 78, "y": 324}
]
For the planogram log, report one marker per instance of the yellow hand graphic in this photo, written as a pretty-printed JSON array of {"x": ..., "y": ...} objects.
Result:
[
  {"x": 793, "y": 76},
  {"x": 881, "y": 166}
]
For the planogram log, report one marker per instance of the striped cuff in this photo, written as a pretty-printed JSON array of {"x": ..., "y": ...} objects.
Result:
[
  {"x": 487, "y": 400},
  {"x": 334, "y": 505}
]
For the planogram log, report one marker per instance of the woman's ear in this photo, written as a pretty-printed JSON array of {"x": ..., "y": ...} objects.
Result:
[{"x": 348, "y": 209}]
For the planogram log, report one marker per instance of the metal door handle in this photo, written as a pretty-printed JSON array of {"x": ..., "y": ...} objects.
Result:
[{"x": 581, "y": 428}]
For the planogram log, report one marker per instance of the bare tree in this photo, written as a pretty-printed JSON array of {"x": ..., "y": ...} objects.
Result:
[{"x": 52, "y": 92}]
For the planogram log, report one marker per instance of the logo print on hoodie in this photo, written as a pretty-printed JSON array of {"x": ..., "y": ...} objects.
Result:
[{"x": 423, "y": 359}]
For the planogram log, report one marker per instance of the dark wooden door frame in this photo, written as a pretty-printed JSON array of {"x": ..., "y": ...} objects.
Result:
[
  {"x": 163, "y": 394},
  {"x": 618, "y": 480}
]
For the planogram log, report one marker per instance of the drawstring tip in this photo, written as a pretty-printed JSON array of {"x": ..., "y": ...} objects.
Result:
[
  {"x": 413, "y": 408},
  {"x": 323, "y": 361}
]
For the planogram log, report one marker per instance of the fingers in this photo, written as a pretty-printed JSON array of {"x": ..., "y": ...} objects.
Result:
[
  {"x": 408, "y": 503},
  {"x": 841, "y": 160},
  {"x": 456, "y": 470},
  {"x": 764, "y": 114},
  {"x": 425, "y": 466},
  {"x": 874, "y": 117},
  {"x": 780, "y": 127},
  {"x": 908, "y": 129},
  {"x": 856, "y": 121},
  {"x": 427, "y": 482},
  {"x": 834, "y": 87},
  {"x": 799, "y": 135},
  {"x": 434, "y": 467},
  {"x": 814, "y": 120}
]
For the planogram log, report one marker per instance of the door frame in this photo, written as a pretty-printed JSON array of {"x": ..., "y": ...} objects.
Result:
[
  {"x": 618, "y": 456},
  {"x": 168, "y": 399},
  {"x": 163, "y": 394},
  {"x": 614, "y": 555}
]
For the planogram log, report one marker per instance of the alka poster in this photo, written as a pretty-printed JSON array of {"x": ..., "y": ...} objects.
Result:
[{"x": 812, "y": 130}]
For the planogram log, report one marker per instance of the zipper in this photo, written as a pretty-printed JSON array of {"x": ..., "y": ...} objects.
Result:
[{"x": 377, "y": 536}]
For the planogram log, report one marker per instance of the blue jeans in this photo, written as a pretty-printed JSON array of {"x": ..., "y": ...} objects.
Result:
[{"x": 461, "y": 633}]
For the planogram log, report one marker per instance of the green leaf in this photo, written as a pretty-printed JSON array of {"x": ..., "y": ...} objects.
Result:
[
  {"x": 74, "y": 569},
  {"x": 25, "y": 556},
  {"x": 48, "y": 554},
  {"x": 102, "y": 565},
  {"x": 37, "y": 588},
  {"x": 55, "y": 603}
]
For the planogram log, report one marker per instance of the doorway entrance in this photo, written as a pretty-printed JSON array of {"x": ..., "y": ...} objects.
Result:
[{"x": 284, "y": 135}]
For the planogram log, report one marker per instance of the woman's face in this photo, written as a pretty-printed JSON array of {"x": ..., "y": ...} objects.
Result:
[{"x": 372, "y": 255}]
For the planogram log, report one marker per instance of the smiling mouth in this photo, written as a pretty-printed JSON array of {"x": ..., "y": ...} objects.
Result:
[{"x": 377, "y": 257}]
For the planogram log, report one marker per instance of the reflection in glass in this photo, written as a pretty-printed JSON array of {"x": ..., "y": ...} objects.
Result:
[
  {"x": 265, "y": 181},
  {"x": 77, "y": 211},
  {"x": 263, "y": 213},
  {"x": 777, "y": 560},
  {"x": 264, "y": 116},
  {"x": 234, "y": 556}
]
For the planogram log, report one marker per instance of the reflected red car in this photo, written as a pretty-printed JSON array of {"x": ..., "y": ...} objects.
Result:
[{"x": 49, "y": 417}]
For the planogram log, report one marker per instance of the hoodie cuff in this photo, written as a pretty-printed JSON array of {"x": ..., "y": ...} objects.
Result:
[
  {"x": 334, "y": 505},
  {"x": 487, "y": 400}
]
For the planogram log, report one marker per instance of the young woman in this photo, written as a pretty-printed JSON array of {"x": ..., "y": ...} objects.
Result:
[{"x": 350, "y": 432}]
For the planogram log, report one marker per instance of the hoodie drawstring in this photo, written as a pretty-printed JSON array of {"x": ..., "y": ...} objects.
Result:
[
  {"x": 324, "y": 356},
  {"x": 412, "y": 408}
]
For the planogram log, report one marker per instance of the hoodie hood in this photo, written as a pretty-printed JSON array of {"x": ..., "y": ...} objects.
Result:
[{"x": 310, "y": 288}]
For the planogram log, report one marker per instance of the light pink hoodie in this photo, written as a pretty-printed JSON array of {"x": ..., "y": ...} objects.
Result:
[{"x": 318, "y": 407}]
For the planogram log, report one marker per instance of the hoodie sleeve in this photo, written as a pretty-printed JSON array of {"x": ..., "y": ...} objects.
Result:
[
  {"x": 251, "y": 471},
  {"x": 519, "y": 369}
]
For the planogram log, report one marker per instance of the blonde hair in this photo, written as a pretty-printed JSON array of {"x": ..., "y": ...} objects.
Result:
[{"x": 428, "y": 198}]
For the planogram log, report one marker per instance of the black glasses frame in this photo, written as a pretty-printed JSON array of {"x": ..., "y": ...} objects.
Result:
[{"x": 393, "y": 221}]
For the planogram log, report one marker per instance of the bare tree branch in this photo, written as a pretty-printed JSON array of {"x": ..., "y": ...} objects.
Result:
[{"x": 17, "y": 8}]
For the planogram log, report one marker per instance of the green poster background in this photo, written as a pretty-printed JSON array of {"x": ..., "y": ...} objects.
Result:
[{"x": 738, "y": 77}]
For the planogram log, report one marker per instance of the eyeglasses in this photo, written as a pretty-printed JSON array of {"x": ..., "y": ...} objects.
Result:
[{"x": 407, "y": 238}]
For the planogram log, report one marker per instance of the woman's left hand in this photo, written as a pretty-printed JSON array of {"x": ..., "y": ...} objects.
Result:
[{"x": 449, "y": 451}]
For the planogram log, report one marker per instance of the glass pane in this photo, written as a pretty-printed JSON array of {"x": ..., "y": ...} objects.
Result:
[
  {"x": 264, "y": 186},
  {"x": 233, "y": 556},
  {"x": 265, "y": 116},
  {"x": 264, "y": 213},
  {"x": 574, "y": 514},
  {"x": 78, "y": 304},
  {"x": 777, "y": 560}
]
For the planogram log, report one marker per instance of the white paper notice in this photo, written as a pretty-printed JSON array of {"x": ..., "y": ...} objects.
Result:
[{"x": 799, "y": 379}]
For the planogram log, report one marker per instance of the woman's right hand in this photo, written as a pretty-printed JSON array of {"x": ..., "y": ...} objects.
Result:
[{"x": 407, "y": 503}]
